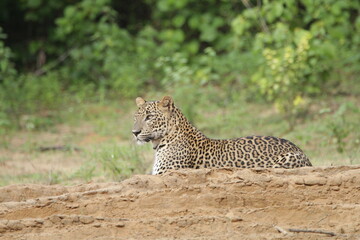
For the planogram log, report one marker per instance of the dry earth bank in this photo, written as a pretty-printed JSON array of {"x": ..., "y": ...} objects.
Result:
[{"x": 190, "y": 204}]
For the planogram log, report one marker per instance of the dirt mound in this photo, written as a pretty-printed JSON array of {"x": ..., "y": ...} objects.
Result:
[{"x": 190, "y": 204}]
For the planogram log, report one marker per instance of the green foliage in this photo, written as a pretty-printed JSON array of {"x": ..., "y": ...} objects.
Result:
[
  {"x": 295, "y": 58},
  {"x": 185, "y": 26},
  {"x": 86, "y": 172},
  {"x": 28, "y": 94},
  {"x": 340, "y": 126},
  {"x": 100, "y": 51},
  {"x": 30, "y": 27},
  {"x": 21, "y": 95},
  {"x": 180, "y": 78},
  {"x": 7, "y": 69},
  {"x": 284, "y": 52},
  {"x": 176, "y": 69},
  {"x": 285, "y": 75}
]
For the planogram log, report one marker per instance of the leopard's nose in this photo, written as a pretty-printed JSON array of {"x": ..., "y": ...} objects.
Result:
[{"x": 136, "y": 132}]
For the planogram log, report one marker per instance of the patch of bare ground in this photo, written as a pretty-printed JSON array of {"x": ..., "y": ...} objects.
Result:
[{"x": 191, "y": 204}]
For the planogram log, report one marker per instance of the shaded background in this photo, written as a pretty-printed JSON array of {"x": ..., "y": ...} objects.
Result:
[{"x": 70, "y": 70}]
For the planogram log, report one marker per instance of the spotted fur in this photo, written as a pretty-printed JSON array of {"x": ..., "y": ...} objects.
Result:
[{"x": 178, "y": 144}]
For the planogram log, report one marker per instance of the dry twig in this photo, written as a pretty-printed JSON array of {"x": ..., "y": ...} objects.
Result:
[
  {"x": 59, "y": 148},
  {"x": 280, "y": 229},
  {"x": 311, "y": 231}
]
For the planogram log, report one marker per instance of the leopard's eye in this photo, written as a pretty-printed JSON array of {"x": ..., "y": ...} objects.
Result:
[{"x": 149, "y": 117}]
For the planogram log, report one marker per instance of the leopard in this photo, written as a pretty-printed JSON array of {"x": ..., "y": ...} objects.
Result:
[{"x": 178, "y": 144}]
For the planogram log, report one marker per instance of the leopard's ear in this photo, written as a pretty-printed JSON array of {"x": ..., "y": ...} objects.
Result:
[
  {"x": 167, "y": 102},
  {"x": 139, "y": 101}
]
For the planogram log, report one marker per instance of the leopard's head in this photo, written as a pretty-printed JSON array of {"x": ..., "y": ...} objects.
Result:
[{"x": 151, "y": 120}]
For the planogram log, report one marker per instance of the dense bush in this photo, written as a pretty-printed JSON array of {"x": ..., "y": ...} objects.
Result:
[
  {"x": 283, "y": 51},
  {"x": 300, "y": 44}
]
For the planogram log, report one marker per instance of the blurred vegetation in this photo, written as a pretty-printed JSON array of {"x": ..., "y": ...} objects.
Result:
[
  {"x": 284, "y": 52},
  {"x": 210, "y": 54}
]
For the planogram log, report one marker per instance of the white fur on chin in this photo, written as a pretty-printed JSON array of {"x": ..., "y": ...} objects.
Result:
[{"x": 140, "y": 142}]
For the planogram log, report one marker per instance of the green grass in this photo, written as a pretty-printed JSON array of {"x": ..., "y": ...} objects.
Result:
[
  {"x": 113, "y": 162},
  {"x": 329, "y": 134}
]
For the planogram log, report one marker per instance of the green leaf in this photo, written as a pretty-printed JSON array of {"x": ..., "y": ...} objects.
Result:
[
  {"x": 208, "y": 34},
  {"x": 273, "y": 11},
  {"x": 178, "y": 20},
  {"x": 239, "y": 25},
  {"x": 70, "y": 11},
  {"x": 194, "y": 22},
  {"x": 192, "y": 47},
  {"x": 163, "y": 5}
]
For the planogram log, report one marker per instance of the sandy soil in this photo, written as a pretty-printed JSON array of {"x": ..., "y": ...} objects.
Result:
[{"x": 190, "y": 204}]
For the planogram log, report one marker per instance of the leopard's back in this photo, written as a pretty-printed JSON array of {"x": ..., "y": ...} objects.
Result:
[{"x": 251, "y": 152}]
